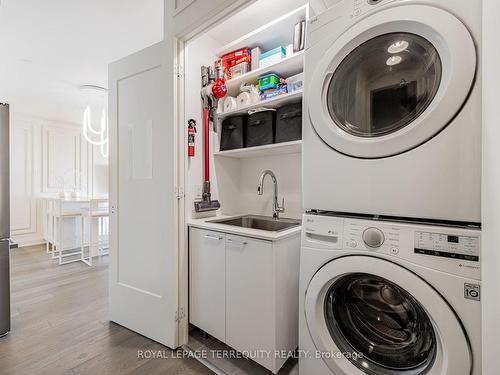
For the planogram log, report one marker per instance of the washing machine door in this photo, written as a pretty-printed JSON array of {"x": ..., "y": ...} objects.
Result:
[
  {"x": 370, "y": 316},
  {"x": 392, "y": 81}
]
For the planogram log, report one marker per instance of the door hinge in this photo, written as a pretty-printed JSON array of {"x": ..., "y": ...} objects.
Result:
[
  {"x": 179, "y": 71},
  {"x": 179, "y": 314},
  {"x": 179, "y": 193}
]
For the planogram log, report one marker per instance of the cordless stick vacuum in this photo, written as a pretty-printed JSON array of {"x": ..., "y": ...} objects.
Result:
[{"x": 213, "y": 89}]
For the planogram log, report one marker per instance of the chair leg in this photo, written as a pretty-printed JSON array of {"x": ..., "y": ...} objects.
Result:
[
  {"x": 82, "y": 244},
  {"x": 60, "y": 239},
  {"x": 55, "y": 236},
  {"x": 99, "y": 237}
]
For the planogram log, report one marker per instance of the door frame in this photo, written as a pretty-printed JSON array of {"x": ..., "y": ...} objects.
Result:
[{"x": 176, "y": 37}]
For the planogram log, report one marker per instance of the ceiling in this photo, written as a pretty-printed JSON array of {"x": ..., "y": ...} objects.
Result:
[
  {"x": 259, "y": 13},
  {"x": 49, "y": 48}
]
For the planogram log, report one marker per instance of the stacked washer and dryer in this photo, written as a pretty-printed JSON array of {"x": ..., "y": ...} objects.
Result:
[{"x": 390, "y": 259}]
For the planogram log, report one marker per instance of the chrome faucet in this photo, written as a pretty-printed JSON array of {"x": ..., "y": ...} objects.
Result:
[{"x": 260, "y": 190}]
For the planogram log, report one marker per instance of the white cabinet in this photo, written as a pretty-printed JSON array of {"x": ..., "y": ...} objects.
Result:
[
  {"x": 245, "y": 292},
  {"x": 207, "y": 281},
  {"x": 250, "y": 295}
]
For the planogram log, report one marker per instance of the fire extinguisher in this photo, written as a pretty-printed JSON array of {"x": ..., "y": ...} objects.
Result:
[{"x": 191, "y": 137}]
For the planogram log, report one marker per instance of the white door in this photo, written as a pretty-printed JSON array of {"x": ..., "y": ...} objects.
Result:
[
  {"x": 144, "y": 256},
  {"x": 391, "y": 82},
  {"x": 384, "y": 319}
]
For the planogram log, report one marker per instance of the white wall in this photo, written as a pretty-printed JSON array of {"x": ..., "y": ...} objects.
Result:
[
  {"x": 491, "y": 188},
  {"x": 45, "y": 157}
]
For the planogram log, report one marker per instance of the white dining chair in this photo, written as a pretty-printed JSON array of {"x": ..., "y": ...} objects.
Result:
[
  {"x": 98, "y": 220},
  {"x": 68, "y": 254}
]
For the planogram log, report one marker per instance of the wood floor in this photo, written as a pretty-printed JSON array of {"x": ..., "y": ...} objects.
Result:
[{"x": 60, "y": 326}]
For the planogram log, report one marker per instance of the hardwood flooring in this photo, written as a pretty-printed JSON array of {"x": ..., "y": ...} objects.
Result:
[{"x": 60, "y": 326}]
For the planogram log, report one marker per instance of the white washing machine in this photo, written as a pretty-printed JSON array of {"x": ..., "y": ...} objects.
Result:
[
  {"x": 380, "y": 297},
  {"x": 392, "y": 105}
]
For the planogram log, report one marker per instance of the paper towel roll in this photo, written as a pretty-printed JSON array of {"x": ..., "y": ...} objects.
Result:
[
  {"x": 230, "y": 104},
  {"x": 243, "y": 100}
]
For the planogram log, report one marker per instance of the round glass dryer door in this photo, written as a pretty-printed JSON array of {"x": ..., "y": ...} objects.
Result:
[
  {"x": 384, "y": 85},
  {"x": 392, "y": 81},
  {"x": 367, "y": 315}
]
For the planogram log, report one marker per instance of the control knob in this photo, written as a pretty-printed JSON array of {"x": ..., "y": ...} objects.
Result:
[{"x": 373, "y": 237}]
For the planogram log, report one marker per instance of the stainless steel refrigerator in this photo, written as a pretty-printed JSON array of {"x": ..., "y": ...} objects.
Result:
[{"x": 4, "y": 221}]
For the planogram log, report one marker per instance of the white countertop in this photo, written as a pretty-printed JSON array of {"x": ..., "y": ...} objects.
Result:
[{"x": 247, "y": 232}]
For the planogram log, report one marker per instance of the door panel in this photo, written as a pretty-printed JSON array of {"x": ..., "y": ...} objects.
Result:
[{"x": 143, "y": 268}]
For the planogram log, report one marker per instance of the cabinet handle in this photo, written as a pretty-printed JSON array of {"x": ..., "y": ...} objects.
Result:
[
  {"x": 209, "y": 237},
  {"x": 241, "y": 243}
]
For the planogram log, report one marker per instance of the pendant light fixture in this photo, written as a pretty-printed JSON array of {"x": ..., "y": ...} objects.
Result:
[{"x": 95, "y": 118}]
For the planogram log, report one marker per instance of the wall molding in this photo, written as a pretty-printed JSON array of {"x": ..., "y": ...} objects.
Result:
[{"x": 48, "y": 148}]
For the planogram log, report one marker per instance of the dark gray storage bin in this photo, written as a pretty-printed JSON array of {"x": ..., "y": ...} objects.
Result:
[
  {"x": 260, "y": 128},
  {"x": 232, "y": 133},
  {"x": 289, "y": 123}
]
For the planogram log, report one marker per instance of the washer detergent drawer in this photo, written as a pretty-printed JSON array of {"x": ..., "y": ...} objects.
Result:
[{"x": 322, "y": 232}]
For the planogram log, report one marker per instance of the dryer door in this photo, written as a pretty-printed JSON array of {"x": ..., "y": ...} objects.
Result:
[
  {"x": 370, "y": 316},
  {"x": 392, "y": 81}
]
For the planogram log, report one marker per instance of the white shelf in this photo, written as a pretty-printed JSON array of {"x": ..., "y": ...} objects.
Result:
[
  {"x": 293, "y": 147},
  {"x": 275, "y": 102},
  {"x": 279, "y": 32},
  {"x": 285, "y": 68}
]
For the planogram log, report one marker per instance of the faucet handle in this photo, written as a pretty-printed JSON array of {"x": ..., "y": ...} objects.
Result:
[{"x": 282, "y": 207}]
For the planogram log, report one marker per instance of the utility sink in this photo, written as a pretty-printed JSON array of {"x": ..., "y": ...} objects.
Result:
[{"x": 259, "y": 222}]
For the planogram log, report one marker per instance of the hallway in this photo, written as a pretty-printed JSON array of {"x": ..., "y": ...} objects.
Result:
[{"x": 60, "y": 326}]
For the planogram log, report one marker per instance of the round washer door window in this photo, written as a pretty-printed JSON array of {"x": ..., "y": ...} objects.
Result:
[
  {"x": 384, "y": 84},
  {"x": 374, "y": 317},
  {"x": 367, "y": 315},
  {"x": 391, "y": 82}
]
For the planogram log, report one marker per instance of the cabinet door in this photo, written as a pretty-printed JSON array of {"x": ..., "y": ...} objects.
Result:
[
  {"x": 250, "y": 295},
  {"x": 207, "y": 286}
]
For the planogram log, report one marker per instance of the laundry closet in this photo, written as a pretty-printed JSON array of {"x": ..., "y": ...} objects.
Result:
[{"x": 240, "y": 272}]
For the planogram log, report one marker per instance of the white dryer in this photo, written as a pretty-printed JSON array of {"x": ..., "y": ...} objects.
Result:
[
  {"x": 392, "y": 107},
  {"x": 381, "y": 298}
]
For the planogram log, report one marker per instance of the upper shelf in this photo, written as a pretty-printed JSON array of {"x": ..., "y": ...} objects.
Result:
[
  {"x": 285, "y": 68},
  {"x": 284, "y": 148},
  {"x": 279, "y": 32},
  {"x": 275, "y": 102}
]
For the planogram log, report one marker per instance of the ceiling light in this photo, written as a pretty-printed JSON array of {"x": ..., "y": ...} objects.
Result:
[
  {"x": 394, "y": 60},
  {"x": 398, "y": 46}
]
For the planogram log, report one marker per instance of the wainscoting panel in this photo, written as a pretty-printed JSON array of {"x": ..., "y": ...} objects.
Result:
[{"x": 45, "y": 157}]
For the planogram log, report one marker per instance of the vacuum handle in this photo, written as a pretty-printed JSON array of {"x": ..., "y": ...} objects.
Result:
[{"x": 206, "y": 135}]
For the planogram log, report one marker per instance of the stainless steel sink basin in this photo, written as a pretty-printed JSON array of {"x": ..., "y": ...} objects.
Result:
[{"x": 259, "y": 222}]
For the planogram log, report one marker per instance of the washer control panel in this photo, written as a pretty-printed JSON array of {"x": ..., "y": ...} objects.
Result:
[
  {"x": 448, "y": 249},
  {"x": 447, "y": 246}
]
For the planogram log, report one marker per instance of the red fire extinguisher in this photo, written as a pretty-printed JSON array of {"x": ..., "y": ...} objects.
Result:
[{"x": 191, "y": 137}]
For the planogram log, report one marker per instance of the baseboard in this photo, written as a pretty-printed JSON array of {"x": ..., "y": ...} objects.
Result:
[{"x": 28, "y": 240}]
